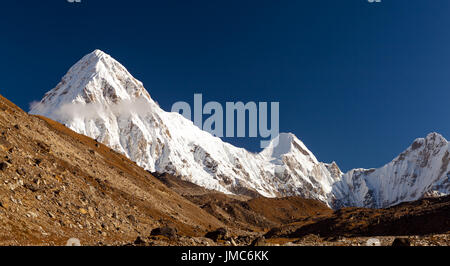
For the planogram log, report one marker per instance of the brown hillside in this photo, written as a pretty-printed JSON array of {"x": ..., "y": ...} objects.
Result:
[
  {"x": 257, "y": 214},
  {"x": 422, "y": 217},
  {"x": 56, "y": 184}
]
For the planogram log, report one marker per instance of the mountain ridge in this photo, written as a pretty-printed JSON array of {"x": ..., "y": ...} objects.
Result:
[
  {"x": 99, "y": 98},
  {"x": 424, "y": 168},
  {"x": 165, "y": 142}
]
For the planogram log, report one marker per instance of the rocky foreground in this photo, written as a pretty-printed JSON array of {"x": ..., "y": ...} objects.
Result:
[{"x": 310, "y": 240}]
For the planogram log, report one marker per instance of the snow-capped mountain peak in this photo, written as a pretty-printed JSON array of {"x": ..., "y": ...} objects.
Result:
[
  {"x": 432, "y": 140},
  {"x": 422, "y": 169},
  {"x": 287, "y": 143},
  {"x": 99, "y": 98},
  {"x": 96, "y": 78}
]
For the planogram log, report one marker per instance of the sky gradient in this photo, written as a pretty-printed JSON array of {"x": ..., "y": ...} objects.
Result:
[{"x": 357, "y": 82}]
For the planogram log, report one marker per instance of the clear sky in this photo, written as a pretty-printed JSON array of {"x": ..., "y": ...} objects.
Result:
[{"x": 357, "y": 82}]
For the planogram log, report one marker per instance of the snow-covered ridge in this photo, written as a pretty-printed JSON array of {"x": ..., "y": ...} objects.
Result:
[
  {"x": 99, "y": 98},
  {"x": 421, "y": 170}
]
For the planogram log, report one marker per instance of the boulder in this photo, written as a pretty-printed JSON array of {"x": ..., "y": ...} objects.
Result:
[
  {"x": 139, "y": 241},
  {"x": 401, "y": 242},
  {"x": 166, "y": 231},
  {"x": 3, "y": 166},
  {"x": 219, "y": 234}
]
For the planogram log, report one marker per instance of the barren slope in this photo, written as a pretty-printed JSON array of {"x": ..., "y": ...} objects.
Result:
[
  {"x": 422, "y": 217},
  {"x": 252, "y": 214},
  {"x": 56, "y": 184}
]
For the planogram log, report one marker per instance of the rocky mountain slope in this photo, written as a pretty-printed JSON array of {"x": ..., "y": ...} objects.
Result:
[
  {"x": 56, "y": 184},
  {"x": 422, "y": 217},
  {"x": 251, "y": 214},
  {"x": 99, "y": 98}
]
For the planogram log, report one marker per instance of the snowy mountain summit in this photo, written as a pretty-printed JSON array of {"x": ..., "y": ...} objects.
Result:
[
  {"x": 422, "y": 170},
  {"x": 99, "y": 98}
]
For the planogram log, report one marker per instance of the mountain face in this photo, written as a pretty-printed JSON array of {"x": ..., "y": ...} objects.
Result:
[
  {"x": 422, "y": 170},
  {"x": 99, "y": 98}
]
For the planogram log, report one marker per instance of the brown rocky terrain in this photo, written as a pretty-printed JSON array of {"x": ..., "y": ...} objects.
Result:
[
  {"x": 56, "y": 184},
  {"x": 251, "y": 214},
  {"x": 422, "y": 219}
]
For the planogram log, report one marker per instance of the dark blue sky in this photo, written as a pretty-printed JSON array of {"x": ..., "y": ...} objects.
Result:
[{"x": 357, "y": 82}]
